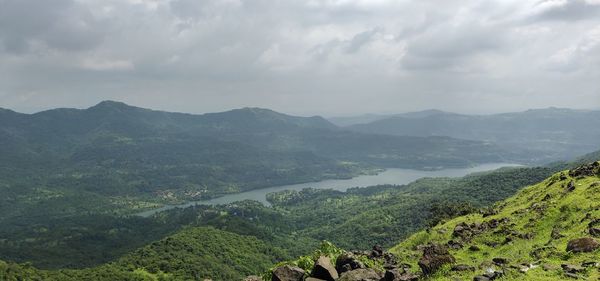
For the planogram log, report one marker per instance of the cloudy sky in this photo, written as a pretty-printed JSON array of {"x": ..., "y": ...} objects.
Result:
[{"x": 328, "y": 57}]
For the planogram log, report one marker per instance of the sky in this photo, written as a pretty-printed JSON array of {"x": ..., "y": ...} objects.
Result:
[{"x": 305, "y": 57}]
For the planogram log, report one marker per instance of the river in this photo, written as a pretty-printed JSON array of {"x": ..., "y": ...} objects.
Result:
[{"x": 389, "y": 176}]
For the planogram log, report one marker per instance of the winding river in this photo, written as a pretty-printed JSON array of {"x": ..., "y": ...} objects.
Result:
[{"x": 389, "y": 176}]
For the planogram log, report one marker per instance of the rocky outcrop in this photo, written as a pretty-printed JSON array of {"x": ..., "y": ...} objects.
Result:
[
  {"x": 587, "y": 170},
  {"x": 583, "y": 245},
  {"x": 288, "y": 273},
  {"x": 434, "y": 257}
]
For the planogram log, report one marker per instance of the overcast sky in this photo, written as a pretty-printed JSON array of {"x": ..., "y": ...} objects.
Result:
[{"x": 330, "y": 57}]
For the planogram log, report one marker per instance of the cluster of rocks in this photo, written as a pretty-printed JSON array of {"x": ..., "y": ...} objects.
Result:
[
  {"x": 587, "y": 170},
  {"x": 466, "y": 231},
  {"x": 349, "y": 267},
  {"x": 575, "y": 271}
]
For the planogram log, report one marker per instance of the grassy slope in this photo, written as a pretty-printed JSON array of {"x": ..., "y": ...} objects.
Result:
[{"x": 568, "y": 211}]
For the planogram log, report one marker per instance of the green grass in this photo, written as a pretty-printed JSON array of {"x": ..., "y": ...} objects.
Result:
[{"x": 528, "y": 213}]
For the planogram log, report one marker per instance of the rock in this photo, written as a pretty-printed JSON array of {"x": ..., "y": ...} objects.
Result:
[
  {"x": 587, "y": 170},
  {"x": 361, "y": 274},
  {"x": 590, "y": 264},
  {"x": 582, "y": 245},
  {"x": 572, "y": 268},
  {"x": 474, "y": 248},
  {"x": 500, "y": 261},
  {"x": 313, "y": 279},
  {"x": 408, "y": 277},
  {"x": 346, "y": 262},
  {"x": 253, "y": 278},
  {"x": 434, "y": 257},
  {"x": 323, "y": 269},
  {"x": 493, "y": 274},
  {"x": 377, "y": 251},
  {"x": 572, "y": 275},
  {"x": 454, "y": 245},
  {"x": 389, "y": 261},
  {"x": 462, "y": 267},
  {"x": 594, "y": 228},
  {"x": 481, "y": 278},
  {"x": 399, "y": 275},
  {"x": 570, "y": 187},
  {"x": 288, "y": 273}
]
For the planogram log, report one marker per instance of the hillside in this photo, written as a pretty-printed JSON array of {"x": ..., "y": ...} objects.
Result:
[
  {"x": 530, "y": 236},
  {"x": 557, "y": 134},
  {"x": 547, "y": 231},
  {"x": 117, "y": 157},
  {"x": 191, "y": 254}
]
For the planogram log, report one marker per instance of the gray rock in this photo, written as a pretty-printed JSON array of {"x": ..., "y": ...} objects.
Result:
[
  {"x": 434, "y": 257},
  {"x": 346, "y": 262},
  {"x": 583, "y": 245},
  {"x": 288, "y": 273},
  {"x": 462, "y": 267},
  {"x": 361, "y": 274},
  {"x": 323, "y": 269}
]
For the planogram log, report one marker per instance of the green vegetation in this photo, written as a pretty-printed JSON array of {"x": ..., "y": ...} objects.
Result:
[
  {"x": 117, "y": 159},
  {"x": 536, "y": 225},
  {"x": 191, "y": 254}
]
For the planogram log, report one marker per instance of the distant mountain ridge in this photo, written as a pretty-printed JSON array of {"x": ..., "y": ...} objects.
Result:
[{"x": 557, "y": 132}]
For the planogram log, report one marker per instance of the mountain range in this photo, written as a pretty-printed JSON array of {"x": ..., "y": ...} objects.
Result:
[{"x": 556, "y": 133}]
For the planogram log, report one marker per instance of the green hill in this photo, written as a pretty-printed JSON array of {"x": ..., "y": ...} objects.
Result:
[
  {"x": 191, "y": 254},
  {"x": 525, "y": 236}
]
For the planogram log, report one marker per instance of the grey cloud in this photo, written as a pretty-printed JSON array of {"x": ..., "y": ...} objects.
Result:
[
  {"x": 304, "y": 57},
  {"x": 571, "y": 10},
  {"x": 59, "y": 24}
]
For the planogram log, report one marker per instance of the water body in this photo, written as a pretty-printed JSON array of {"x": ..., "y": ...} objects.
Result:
[{"x": 389, "y": 176}]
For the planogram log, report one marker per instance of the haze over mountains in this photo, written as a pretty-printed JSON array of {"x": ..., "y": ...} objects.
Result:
[{"x": 557, "y": 133}]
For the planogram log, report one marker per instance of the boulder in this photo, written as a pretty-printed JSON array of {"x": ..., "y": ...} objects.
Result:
[
  {"x": 377, "y": 251},
  {"x": 583, "y": 245},
  {"x": 572, "y": 268},
  {"x": 288, "y": 273},
  {"x": 462, "y": 267},
  {"x": 253, "y": 278},
  {"x": 434, "y": 257},
  {"x": 570, "y": 186},
  {"x": 393, "y": 274},
  {"x": 361, "y": 274},
  {"x": 346, "y": 262},
  {"x": 389, "y": 261},
  {"x": 500, "y": 261},
  {"x": 323, "y": 269}
]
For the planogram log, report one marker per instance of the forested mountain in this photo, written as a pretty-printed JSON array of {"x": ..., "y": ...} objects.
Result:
[
  {"x": 556, "y": 133},
  {"x": 124, "y": 157}
]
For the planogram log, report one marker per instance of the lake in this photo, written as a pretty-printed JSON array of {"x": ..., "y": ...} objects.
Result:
[{"x": 389, "y": 176}]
